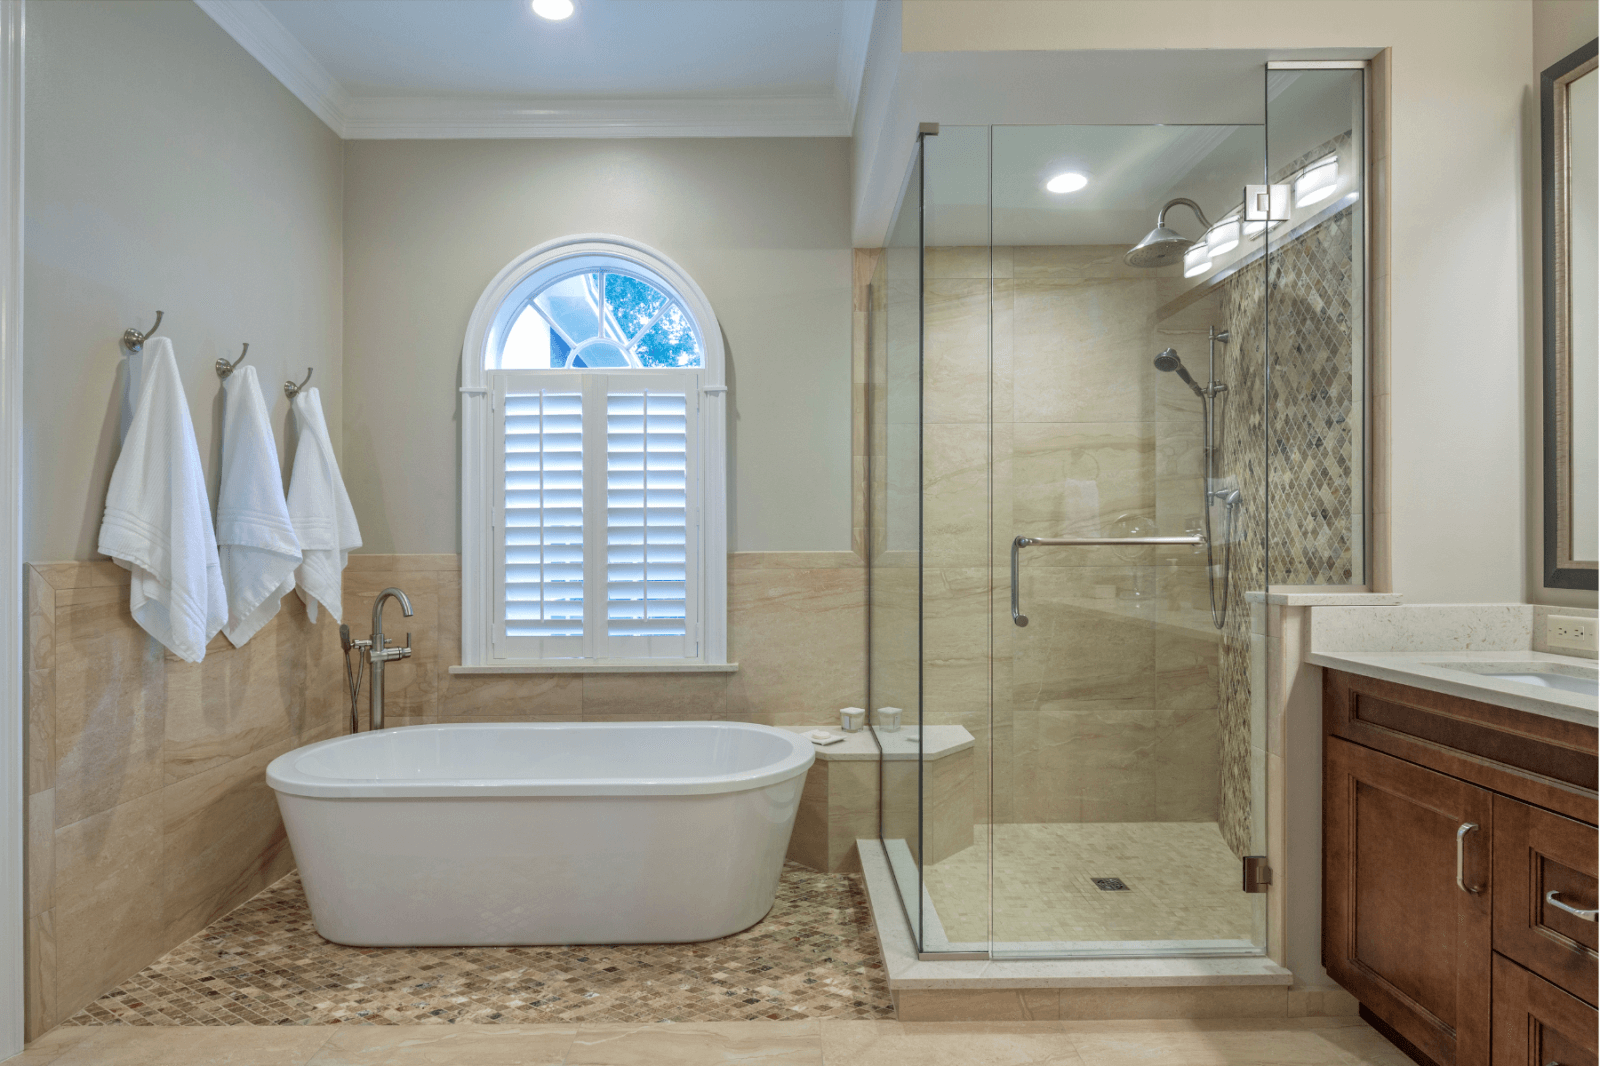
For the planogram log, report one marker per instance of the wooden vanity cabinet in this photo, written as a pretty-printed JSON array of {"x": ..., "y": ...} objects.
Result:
[{"x": 1441, "y": 842}]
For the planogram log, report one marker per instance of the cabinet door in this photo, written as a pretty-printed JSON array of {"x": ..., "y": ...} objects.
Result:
[
  {"x": 1398, "y": 931},
  {"x": 1537, "y": 853},
  {"x": 1537, "y": 1024}
]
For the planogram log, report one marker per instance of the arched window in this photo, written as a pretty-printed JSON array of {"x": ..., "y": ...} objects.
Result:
[{"x": 593, "y": 522}]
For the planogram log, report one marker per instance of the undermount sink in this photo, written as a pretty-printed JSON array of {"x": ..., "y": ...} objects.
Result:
[{"x": 1583, "y": 681}]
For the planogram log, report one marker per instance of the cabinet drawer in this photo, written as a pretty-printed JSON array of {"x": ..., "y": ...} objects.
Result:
[
  {"x": 1545, "y": 761},
  {"x": 1536, "y": 853},
  {"x": 1535, "y": 1023}
]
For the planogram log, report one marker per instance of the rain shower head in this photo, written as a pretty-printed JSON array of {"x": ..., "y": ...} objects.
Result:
[
  {"x": 1167, "y": 361},
  {"x": 1163, "y": 246}
]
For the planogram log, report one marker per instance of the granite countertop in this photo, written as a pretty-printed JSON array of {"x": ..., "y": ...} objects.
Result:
[
  {"x": 1456, "y": 673},
  {"x": 901, "y": 745}
]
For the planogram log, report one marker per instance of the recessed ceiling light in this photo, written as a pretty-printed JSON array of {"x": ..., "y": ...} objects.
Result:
[
  {"x": 554, "y": 10},
  {"x": 1068, "y": 182}
]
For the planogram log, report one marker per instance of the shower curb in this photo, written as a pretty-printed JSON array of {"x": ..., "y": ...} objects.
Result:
[{"x": 1050, "y": 989}]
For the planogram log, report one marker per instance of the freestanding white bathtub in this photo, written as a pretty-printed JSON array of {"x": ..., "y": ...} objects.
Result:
[{"x": 535, "y": 833}]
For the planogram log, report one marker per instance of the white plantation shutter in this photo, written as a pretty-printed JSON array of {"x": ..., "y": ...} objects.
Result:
[
  {"x": 596, "y": 533},
  {"x": 539, "y": 531},
  {"x": 651, "y": 514}
]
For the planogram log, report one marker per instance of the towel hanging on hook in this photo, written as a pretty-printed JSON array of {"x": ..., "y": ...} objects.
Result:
[
  {"x": 224, "y": 368},
  {"x": 291, "y": 390},
  {"x": 133, "y": 340}
]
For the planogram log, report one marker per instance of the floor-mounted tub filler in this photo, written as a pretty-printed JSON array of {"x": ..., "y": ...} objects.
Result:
[{"x": 542, "y": 833}]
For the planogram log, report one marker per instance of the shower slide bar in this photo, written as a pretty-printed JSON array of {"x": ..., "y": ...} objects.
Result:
[{"x": 1019, "y": 542}]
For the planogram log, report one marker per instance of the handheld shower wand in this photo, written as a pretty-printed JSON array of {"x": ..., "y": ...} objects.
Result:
[{"x": 1168, "y": 361}]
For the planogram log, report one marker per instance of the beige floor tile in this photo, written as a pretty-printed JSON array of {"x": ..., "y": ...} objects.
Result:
[
  {"x": 946, "y": 1044},
  {"x": 237, "y": 1045},
  {"x": 745, "y": 1043},
  {"x": 48, "y": 1047},
  {"x": 1233, "y": 1045},
  {"x": 446, "y": 1045}
]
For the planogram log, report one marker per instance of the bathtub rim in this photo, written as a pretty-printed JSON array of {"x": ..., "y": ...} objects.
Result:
[{"x": 284, "y": 776}]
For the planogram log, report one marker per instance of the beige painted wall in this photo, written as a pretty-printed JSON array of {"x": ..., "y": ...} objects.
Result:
[
  {"x": 1460, "y": 78},
  {"x": 761, "y": 225},
  {"x": 165, "y": 169},
  {"x": 1559, "y": 27}
]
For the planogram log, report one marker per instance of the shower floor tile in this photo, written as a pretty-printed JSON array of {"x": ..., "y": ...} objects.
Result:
[
  {"x": 814, "y": 956},
  {"x": 1183, "y": 884}
]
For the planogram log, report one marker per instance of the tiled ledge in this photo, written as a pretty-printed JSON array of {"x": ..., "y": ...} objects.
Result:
[
  {"x": 1324, "y": 596},
  {"x": 643, "y": 666},
  {"x": 1029, "y": 978},
  {"x": 899, "y": 746}
]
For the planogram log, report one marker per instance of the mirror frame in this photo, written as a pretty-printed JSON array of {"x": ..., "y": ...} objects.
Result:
[{"x": 1560, "y": 569}]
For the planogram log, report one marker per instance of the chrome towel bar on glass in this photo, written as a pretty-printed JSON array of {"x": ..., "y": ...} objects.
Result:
[{"x": 1018, "y": 543}]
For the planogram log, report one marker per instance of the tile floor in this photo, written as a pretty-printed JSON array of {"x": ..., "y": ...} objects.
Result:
[
  {"x": 824, "y": 1042},
  {"x": 815, "y": 955},
  {"x": 1183, "y": 884}
]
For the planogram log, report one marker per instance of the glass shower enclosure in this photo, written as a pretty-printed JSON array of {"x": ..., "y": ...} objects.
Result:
[{"x": 1116, "y": 391}]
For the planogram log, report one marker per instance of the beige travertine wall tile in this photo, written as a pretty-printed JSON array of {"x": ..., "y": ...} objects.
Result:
[
  {"x": 108, "y": 916},
  {"x": 208, "y": 820},
  {"x": 110, "y": 686},
  {"x": 41, "y": 730},
  {"x": 955, "y": 351},
  {"x": 41, "y": 852},
  {"x": 799, "y": 638},
  {"x": 553, "y": 696},
  {"x": 661, "y": 696},
  {"x": 39, "y": 975},
  {"x": 362, "y": 563}
]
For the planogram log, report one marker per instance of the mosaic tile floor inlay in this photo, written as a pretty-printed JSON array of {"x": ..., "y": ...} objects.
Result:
[{"x": 814, "y": 956}]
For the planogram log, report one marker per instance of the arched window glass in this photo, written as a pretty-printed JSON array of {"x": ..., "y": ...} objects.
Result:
[{"x": 597, "y": 319}]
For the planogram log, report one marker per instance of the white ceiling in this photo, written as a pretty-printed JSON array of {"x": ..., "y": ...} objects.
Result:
[{"x": 491, "y": 68}]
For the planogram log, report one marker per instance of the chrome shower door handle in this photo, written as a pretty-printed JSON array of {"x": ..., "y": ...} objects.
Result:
[
  {"x": 1461, "y": 857},
  {"x": 1017, "y": 544},
  {"x": 1020, "y": 542},
  {"x": 1555, "y": 900}
]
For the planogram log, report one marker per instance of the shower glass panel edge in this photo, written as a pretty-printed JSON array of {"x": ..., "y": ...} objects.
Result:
[{"x": 894, "y": 539}]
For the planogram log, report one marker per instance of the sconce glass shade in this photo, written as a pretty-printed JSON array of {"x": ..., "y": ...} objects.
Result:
[
  {"x": 1317, "y": 183},
  {"x": 1223, "y": 237},
  {"x": 1196, "y": 260}
]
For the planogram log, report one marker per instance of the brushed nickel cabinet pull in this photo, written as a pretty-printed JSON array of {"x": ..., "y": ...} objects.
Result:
[
  {"x": 1555, "y": 900},
  {"x": 1461, "y": 857}
]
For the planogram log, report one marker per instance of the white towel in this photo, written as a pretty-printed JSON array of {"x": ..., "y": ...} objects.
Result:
[
  {"x": 320, "y": 508},
  {"x": 158, "y": 518},
  {"x": 255, "y": 538}
]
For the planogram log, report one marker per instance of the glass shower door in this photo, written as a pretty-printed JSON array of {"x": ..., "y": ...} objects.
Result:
[{"x": 1125, "y": 799}]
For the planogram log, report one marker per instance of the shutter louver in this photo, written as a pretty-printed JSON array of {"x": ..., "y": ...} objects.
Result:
[
  {"x": 543, "y": 515},
  {"x": 647, "y": 516}
]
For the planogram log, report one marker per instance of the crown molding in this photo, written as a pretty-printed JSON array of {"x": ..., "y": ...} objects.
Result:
[
  {"x": 441, "y": 117},
  {"x": 250, "y": 24},
  {"x": 420, "y": 117}
]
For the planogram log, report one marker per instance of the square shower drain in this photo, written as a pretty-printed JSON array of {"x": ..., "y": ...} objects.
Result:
[{"x": 1110, "y": 884}]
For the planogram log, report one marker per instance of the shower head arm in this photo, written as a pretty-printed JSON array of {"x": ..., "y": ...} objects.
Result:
[{"x": 1161, "y": 216}]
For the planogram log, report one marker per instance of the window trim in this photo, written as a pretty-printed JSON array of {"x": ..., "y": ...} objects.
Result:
[{"x": 478, "y": 467}]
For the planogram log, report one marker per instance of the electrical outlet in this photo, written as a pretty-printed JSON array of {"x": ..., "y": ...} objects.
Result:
[{"x": 1565, "y": 631}]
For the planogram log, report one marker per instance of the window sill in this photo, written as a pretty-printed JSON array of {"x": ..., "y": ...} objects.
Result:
[{"x": 641, "y": 666}]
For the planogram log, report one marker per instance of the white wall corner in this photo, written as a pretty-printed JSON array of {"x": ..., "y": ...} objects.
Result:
[
  {"x": 274, "y": 47},
  {"x": 13, "y": 721},
  {"x": 855, "y": 35}
]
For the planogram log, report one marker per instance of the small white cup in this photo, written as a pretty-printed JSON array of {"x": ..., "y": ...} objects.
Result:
[
  {"x": 889, "y": 719},
  {"x": 851, "y": 719}
]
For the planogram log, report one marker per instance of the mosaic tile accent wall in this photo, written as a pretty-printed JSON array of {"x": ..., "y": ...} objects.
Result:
[{"x": 1313, "y": 453}]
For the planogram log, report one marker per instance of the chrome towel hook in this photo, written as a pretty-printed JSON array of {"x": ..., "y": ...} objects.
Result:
[
  {"x": 224, "y": 368},
  {"x": 133, "y": 340},
  {"x": 291, "y": 390}
]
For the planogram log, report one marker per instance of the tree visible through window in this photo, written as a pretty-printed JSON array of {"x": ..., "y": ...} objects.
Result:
[{"x": 599, "y": 320}]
